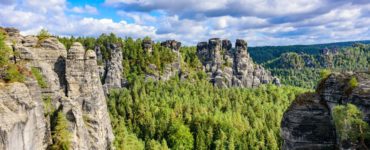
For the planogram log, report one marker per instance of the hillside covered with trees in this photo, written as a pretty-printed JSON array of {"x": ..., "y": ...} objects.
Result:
[{"x": 303, "y": 69}]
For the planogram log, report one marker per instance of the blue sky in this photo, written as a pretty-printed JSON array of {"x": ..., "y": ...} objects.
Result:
[{"x": 260, "y": 22}]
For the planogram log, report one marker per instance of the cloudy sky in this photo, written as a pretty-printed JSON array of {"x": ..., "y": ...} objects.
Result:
[{"x": 260, "y": 22}]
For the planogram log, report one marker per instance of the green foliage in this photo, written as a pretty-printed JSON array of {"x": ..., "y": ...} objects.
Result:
[
  {"x": 293, "y": 68},
  {"x": 123, "y": 139},
  {"x": 287, "y": 60},
  {"x": 48, "y": 106},
  {"x": 8, "y": 72},
  {"x": 40, "y": 80},
  {"x": 180, "y": 136},
  {"x": 4, "y": 52},
  {"x": 13, "y": 74},
  {"x": 266, "y": 53},
  {"x": 61, "y": 135},
  {"x": 136, "y": 61},
  {"x": 196, "y": 115},
  {"x": 305, "y": 78},
  {"x": 349, "y": 123},
  {"x": 325, "y": 73},
  {"x": 43, "y": 34},
  {"x": 353, "y": 83}
]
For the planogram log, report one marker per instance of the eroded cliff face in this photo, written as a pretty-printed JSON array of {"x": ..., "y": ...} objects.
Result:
[
  {"x": 74, "y": 87},
  {"x": 86, "y": 106},
  {"x": 22, "y": 125},
  {"x": 308, "y": 124},
  {"x": 227, "y": 66},
  {"x": 112, "y": 77}
]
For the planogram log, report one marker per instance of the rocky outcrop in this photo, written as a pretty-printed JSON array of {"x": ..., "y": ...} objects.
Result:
[
  {"x": 147, "y": 45},
  {"x": 307, "y": 124},
  {"x": 74, "y": 87},
  {"x": 22, "y": 123},
  {"x": 113, "y": 76},
  {"x": 172, "y": 44},
  {"x": 88, "y": 109},
  {"x": 174, "y": 68},
  {"x": 337, "y": 90},
  {"x": 228, "y": 67}
]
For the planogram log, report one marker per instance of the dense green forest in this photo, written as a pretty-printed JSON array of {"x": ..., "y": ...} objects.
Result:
[
  {"x": 192, "y": 114},
  {"x": 263, "y": 54},
  {"x": 187, "y": 114},
  {"x": 302, "y": 70},
  {"x": 195, "y": 115}
]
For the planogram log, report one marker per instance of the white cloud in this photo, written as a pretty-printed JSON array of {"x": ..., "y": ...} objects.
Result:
[
  {"x": 85, "y": 9},
  {"x": 138, "y": 17},
  {"x": 261, "y": 22}
]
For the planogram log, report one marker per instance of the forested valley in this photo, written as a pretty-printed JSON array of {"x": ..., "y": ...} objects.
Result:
[
  {"x": 168, "y": 101},
  {"x": 191, "y": 113}
]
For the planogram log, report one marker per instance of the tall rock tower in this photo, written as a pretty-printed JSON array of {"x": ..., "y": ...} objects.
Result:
[{"x": 227, "y": 66}]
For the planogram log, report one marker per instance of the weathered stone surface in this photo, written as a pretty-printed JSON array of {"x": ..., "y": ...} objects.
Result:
[
  {"x": 22, "y": 124},
  {"x": 147, "y": 45},
  {"x": 231, "y": 67},
  {"x": 172, "y": 44},
  {"x": 172, "y": 69},
  {"x": 90, "y": 122},
  {"x": 74, "y": 86},
  {"x": 113, "y": 77},
  {"x": 336, "y": 90},
  {"x": 307, "y": 125}
]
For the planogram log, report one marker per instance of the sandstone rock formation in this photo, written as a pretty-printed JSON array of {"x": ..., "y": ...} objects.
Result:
[
  {"x": 174, "y": 68},
  {"x": 307, "y": 125},
  {"x": 228, "y": 67},
  {"x": 172, "y": 44},
  {"x": 22, "y": 123},
  {"x": 113, "y": 71},
  {"x": 74, "y": 87},
  {"x": 147, "y": 45},
  {"x": 308, "y": 122},
  {"x": 88, "y": 109}
]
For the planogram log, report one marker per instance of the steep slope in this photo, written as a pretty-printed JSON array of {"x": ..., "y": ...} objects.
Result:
[
  {"x": 308, "y": 123},
  {"x": 73, "y": 87},
  {"x": 228, "y": 67},
  {"x": 22, "y": 117}
]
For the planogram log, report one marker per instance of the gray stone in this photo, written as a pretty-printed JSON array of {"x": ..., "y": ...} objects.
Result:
[
  {"x": 233, "y": 65},
  {"x": 113, "y": 77},
  {"x": 307, "y": 125}
]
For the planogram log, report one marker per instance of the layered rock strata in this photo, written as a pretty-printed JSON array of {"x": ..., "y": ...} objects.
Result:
[
  {"x": 308, "y": 123},
  {"x": 227, "y": 66},
  {"x": 74, "y": 87}
]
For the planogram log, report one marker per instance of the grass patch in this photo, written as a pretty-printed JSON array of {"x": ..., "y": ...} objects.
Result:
[
  {"x": 353, "y": 83},
  {"x": 38, "y": 76},
  {"x": 48, "y": 106}
]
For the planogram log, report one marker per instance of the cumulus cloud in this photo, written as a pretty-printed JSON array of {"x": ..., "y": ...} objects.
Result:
[
  {"x": 261, "y": 22},
  {"x": 30, "y": 19},
  {"x": 85, "y": 9}
]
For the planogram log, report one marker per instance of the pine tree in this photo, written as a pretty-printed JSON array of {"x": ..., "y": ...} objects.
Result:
[{"x": 61, "y": 136}]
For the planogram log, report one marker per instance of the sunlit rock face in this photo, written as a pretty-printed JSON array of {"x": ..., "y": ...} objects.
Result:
[
  {"x": 74, "y": 87},
  {"x": 22, "y": 123},
  {"x": 86, "y": 104},
  {"x": 227, "y": 66},
  {"x": 113, "y": 73}
]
